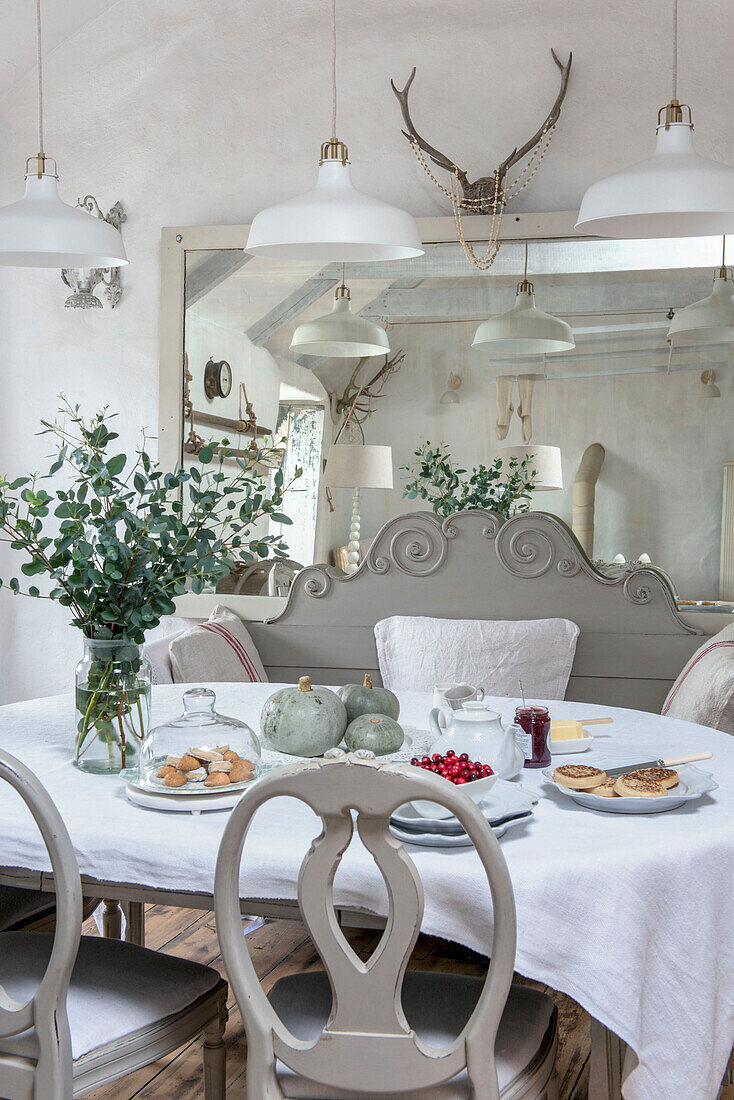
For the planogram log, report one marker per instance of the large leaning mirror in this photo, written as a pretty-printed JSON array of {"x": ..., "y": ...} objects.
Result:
[{"x": 236, "y": 361}]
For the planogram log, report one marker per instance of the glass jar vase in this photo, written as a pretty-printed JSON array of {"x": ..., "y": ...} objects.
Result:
[{"x": 113, "y": 682}]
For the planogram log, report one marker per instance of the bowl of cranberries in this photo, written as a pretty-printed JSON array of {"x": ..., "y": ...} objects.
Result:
[{"x": 472, "y": 776}]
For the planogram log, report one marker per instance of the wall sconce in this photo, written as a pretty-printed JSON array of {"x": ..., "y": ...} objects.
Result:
[
  {"x": 451, "y": 397},
  {"x": 707, "y": 385},
  {"x": 83, "y": 281}
]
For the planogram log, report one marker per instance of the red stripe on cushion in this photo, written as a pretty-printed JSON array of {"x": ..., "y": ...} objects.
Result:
[
  {"x": 239, "y": 648},
  {"x": 236, "y": 645},
  {"x": 699, "y": 656}
]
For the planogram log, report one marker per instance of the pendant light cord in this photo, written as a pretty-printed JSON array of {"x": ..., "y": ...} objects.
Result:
[
  {"x": 40, "y": 80},
  {"x": 525, "y": 276},
  {"x": 675, "y": 49},
  {"x": 333, "y": 69}
]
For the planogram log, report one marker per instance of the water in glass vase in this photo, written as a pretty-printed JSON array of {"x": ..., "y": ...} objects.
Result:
[{"x": 112, "y": 705}]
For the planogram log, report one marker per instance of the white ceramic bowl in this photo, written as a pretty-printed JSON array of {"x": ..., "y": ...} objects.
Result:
[
  {"x": 566, "y": 747},
  {"x": 477, "y": 790}
]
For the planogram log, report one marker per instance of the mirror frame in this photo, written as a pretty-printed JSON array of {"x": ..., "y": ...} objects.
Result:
[{"x": 176, "y": 242}]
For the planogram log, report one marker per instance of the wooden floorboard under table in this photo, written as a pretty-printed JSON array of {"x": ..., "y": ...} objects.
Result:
[{"x": 282, "y": 947}]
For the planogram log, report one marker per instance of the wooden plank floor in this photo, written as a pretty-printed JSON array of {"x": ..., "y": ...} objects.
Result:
[{"x": 282, "y": 947}]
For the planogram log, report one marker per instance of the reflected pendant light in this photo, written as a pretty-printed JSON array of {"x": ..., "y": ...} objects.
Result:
[
  {"x": 334, "y": 221},
  {"x": 711, "y": 320},
  {"x": 674, "y": 193},
  {"x": 40, "y": 230},
  {"x": 340, "y": 334},
  {"x": 524, "y": 329}
]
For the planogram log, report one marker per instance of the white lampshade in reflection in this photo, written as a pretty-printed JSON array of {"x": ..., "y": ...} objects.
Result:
[
  {"x": 674, "y": 193},
  {"x": 359, "y": 466},
  {"x": 334, "y": 221},
  {"x": 524, "y": 329},
  {"x": 546, "y": 461},
  {"x": 40, "y": 230},
  {"x": 709, "y": 321},
  {"x": 341, "y": 333}
]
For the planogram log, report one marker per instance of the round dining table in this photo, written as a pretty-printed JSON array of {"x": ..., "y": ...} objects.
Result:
[{"x": 631, "y": 915}]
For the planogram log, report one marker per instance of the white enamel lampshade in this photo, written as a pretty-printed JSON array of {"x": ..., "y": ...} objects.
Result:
[
  {"x": 359, "y": 466},
  {"x": 524, "y": 329},
  {"x": 335, "y": 221},
  {"x": 709, "y": 321},
  {"x": 544, "y": 459},
  {"x": 341, "y": 333},
  {"x": 40, "y": 230},
  {"x": 674, "y": 193}
]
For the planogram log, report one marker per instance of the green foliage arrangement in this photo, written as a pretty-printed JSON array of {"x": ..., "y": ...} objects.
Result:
[
  {"x": 433, "y": 476},
  {"x": 122, "y": 538}
]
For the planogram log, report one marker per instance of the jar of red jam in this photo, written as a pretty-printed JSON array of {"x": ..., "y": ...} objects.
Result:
[{"x": 535, "y": 736}]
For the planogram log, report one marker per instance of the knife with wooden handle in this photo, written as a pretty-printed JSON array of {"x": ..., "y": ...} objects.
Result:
[{"x": 671, "y": 762}]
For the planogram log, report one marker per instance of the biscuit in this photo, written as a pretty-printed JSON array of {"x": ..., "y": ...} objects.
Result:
[
  {"x": 165, "y": 770},
  {"x": 240, "y": 772},
  {"x": 579, "y": 777},
  {"x": 188, "y": 763},
  {"x": 231, "y": 755},
  {"x": 206, "y": 756},
  {"x": 606, "y": 788},
  {"x": 196, "y": 776},
  {"x": 175, "y": 779},
  {"x": 628, "y": 786},
  {"x": 220, "y": 766},
  {"x": 217, "y": 779},
  {"x": 666, "y": 776}
]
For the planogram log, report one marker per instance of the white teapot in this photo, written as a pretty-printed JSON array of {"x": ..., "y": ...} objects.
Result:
[{"x": 478, "y": 731}]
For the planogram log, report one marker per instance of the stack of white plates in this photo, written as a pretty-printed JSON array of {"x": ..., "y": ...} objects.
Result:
[{"x": 505, "y": 806}]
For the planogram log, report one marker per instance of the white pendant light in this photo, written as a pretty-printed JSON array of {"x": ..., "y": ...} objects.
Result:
[
  {"x": 524, "y": 329},
  {"x": 674, "y": 193},
  {"x": 42, "y": 231},
  {"x": 545, "y": 460},
  {"x": 334, "y": 221},
  {"x": 711, "y": 320},
  {"x": 340, "y": 334}
]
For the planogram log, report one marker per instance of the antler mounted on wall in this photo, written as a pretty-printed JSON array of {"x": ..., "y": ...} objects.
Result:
[
  {"x": 486, "y": 194},
  {"x": 354, "y": 405}
]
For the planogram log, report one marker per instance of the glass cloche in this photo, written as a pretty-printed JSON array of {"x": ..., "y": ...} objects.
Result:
[{"x": 200, "y": 750}]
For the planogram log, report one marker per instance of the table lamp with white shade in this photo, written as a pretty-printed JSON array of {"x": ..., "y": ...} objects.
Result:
[
  {"x": 358, "y": 466},
  {"x": 545, "y": 460}
]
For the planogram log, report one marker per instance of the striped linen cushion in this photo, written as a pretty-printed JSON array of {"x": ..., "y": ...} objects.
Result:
[
  {"x": 704, "y": 691},
  {"x": 217, "y": 651}
]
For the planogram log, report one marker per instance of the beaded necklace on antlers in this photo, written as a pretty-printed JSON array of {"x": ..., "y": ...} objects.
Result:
[{"x": 490, "y": 194}]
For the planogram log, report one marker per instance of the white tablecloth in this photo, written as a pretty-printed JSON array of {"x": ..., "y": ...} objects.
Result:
[{"x": 631, "y": 916}]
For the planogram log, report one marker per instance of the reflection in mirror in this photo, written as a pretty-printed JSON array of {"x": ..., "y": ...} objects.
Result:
[{"x": 653, "y": 486}]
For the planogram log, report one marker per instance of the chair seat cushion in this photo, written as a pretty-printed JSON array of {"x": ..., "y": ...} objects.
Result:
[
  {"x": 18, "y": 905},
  {"x": 417, "y": 652},
  {"x": 437, "y": 1006},
  {"x": 117, "y": 989}
]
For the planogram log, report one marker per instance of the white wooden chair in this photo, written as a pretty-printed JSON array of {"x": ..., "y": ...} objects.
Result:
[
  {"x": 364, "y": 1030},
  {"x": 77, "y": 1011}
]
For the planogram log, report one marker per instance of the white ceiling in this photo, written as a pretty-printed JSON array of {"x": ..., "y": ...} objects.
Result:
[
  {"x": 261, "y": 68},
  {"x": 60, "y": 21}
]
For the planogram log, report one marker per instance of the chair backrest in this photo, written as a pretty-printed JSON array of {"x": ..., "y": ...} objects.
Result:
[
  {"x": 367, "y": 1043},
  {"x": 45, "y": 1013}
]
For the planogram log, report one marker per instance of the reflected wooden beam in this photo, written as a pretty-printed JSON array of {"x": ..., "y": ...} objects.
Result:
[
  {"x": 290, "y": 308},
  {"x": 203, "y": 277}
]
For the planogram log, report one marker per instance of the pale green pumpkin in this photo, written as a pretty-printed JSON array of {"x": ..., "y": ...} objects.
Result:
[
  {"x": 303, "y": 720},
  {"x": 366, "y": 699},
  {"x": 378, "y": 732}
]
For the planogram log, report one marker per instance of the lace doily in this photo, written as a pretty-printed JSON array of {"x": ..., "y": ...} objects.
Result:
[{"x": 417, "y": 743}]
